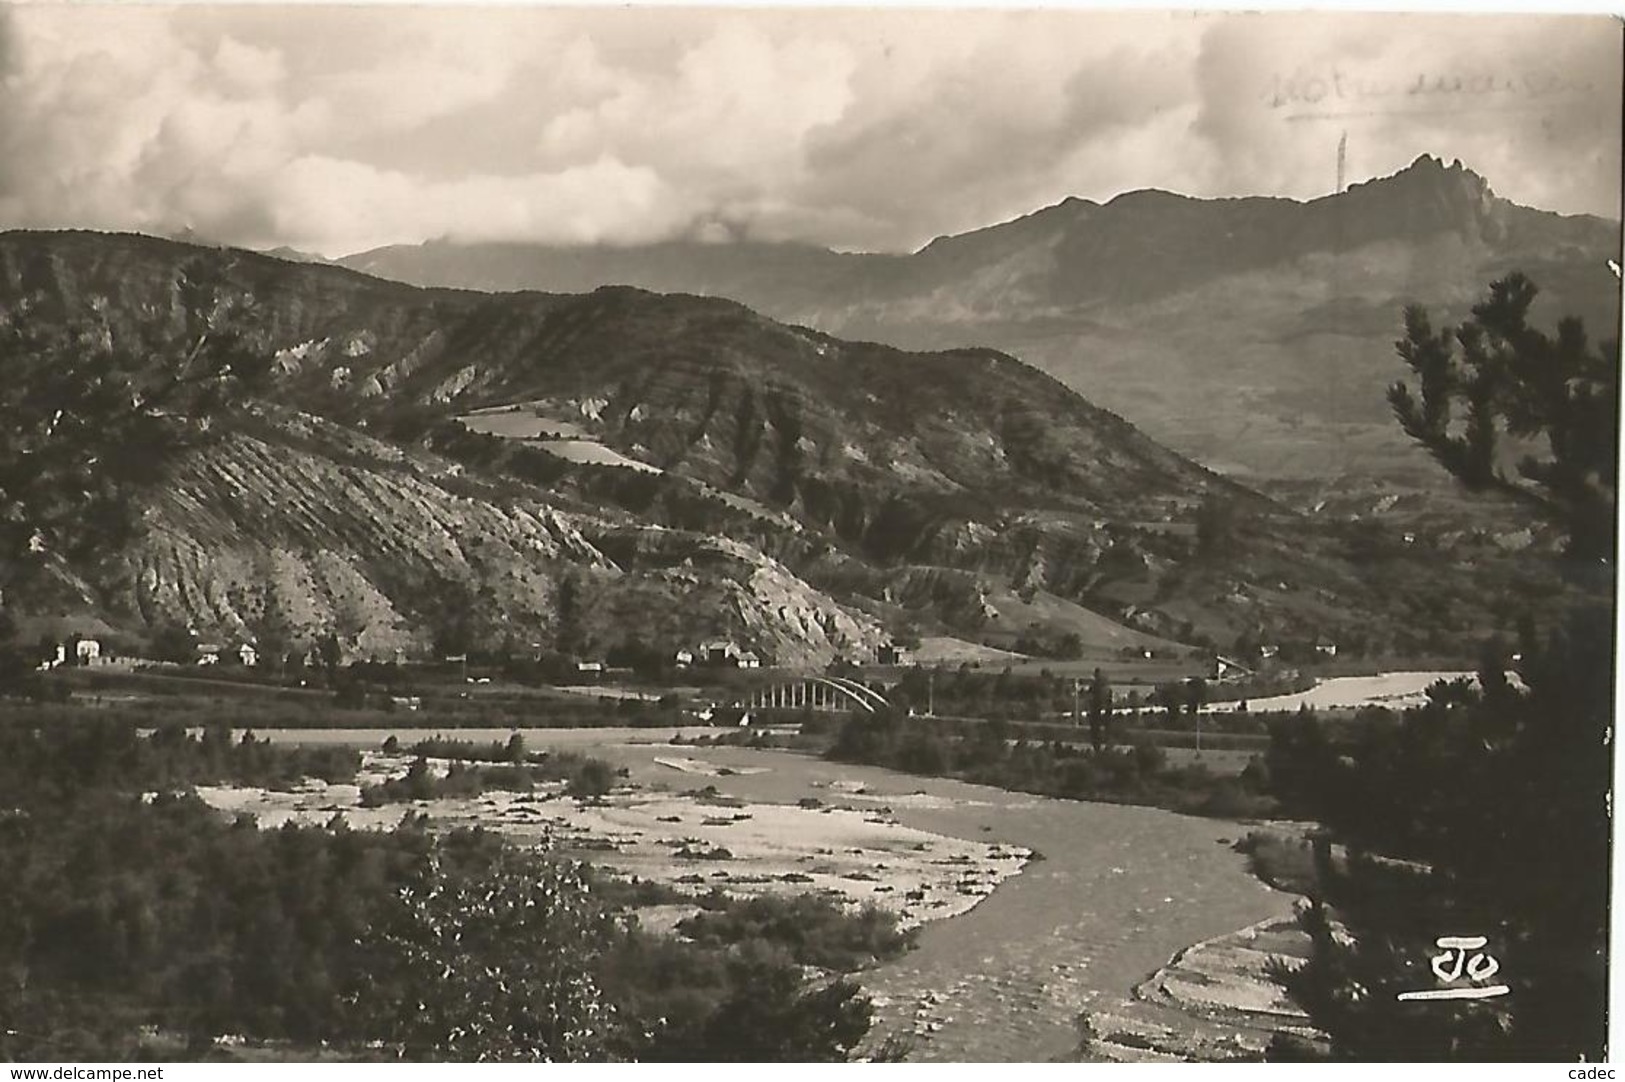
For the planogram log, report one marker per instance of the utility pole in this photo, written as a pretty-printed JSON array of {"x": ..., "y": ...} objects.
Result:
[
  {"x": 931, "y": 693},
  {"x": 1077, "y": 682}
]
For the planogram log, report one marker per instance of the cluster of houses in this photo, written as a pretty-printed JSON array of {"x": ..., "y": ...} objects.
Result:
[
  {"x": 1228, "y": 668},
  {"x": 715, "y": 653},
  {"x": 79, "y": 650},
  {"x": 718, "y": 653},
  {"x": 213, "y": 654},
  {"x": 1271, "y": 651},
  {"x": 726, "y": 654},
  {"x": 76, "y": 651}
]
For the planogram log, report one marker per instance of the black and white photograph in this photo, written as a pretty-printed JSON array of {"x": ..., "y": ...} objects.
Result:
[{"x": 794, "y": 534}]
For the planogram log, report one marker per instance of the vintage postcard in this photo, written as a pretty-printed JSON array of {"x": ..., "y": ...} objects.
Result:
[{"x": 806, "y": 534}]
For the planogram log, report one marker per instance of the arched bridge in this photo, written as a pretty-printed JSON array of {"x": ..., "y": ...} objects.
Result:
[{"x": 816, "y": 692}]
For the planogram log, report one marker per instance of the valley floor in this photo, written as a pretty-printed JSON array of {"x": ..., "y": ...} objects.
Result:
[{"x": 1035, "y": 911}]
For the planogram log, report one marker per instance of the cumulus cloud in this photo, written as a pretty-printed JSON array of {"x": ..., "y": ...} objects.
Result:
[
  {"x": 604, "y": 200},
  {"x": 338, "y": 129},
  {"x": 995, "y": 131}
]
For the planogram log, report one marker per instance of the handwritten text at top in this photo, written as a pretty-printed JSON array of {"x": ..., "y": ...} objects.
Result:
[{"x": 1334, "y": 85}]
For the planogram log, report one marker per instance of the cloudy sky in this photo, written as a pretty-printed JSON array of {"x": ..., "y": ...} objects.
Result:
[{"x": 339, "y": 129}]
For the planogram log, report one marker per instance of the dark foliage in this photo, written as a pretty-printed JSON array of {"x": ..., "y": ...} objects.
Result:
[
  {"x": 741, "y": 1003},
  {"x": 586, "y": 777},
  {"x": 1485, "y": 812},
  {"x": 1100, "y": 709},
  {"x": 47, "y": 757},
  {"x": 1513, "y": 384},
  {"x": 135, "y": 921},
  {"x": 812, "y": 930},
  {"x": 509, "y": 949},
  {"x": 985, "y": 754}
]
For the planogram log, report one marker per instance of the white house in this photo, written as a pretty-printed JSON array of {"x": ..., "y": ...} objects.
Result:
[
  {"x": 247, "y": 655},
  {"x": 87, "y": 651},
  {"x": 718, "y": 652}
]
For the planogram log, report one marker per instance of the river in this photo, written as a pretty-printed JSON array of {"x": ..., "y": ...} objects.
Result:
[
  {"x": 1116, "y": 892},
  {"x": 1395, "y": 690}
]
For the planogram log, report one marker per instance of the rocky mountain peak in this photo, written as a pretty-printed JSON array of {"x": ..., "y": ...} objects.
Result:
[{"x": 1427, "y": 196}]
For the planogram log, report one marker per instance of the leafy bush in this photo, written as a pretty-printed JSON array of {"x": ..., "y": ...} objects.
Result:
[
  {"x": 592, "y": 778},
  {"x": 812, "y": 930},
  {"x": 496, "y": 966}
]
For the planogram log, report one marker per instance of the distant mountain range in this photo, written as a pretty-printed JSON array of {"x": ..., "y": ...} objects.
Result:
[
  {"x": 1255, "y": 335},
  {"x": 433, "y": 465}
]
